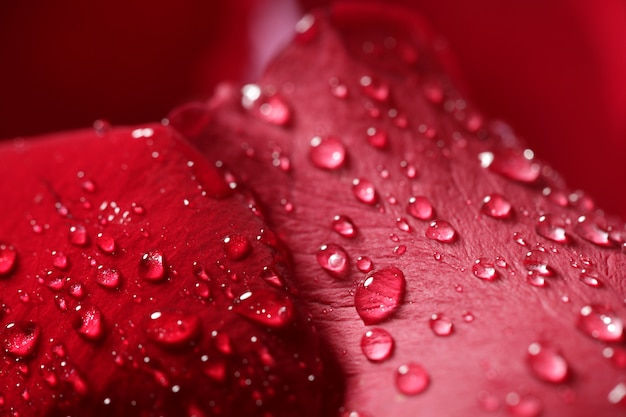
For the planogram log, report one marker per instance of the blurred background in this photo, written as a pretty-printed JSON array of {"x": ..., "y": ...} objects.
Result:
[{"x": 556, "y": 71}]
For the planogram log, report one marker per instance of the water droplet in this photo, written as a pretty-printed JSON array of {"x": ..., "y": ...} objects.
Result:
[
  {"x": 403, "y": 224},
  {"x": 78, "y": 235},
  {"x": 59, "y": 260},
  {"x": 151, "y": 266},
  {"x": 90, "y": 323},
  {"x": 496, "y": 206},
  {"x": 590, "y": 279},
  {"x": 271, "y": 108},
  {"x": 552, "y": 228},
  {"x": 306, "y": 28},
  {"x": 105, "y": 243},
  {"x": 272, "y": 277},
  {"x": 593, "y": 229},
  {"x": 468, "y": 316},
  {"x": 374, "y": 89},
  {"x": 215, "y": 370},
  {"x": 76, "y": 290},
  {"x": 269, "y": 307},
  {"x": 172, "y": 329},
  {"x": 546, "y": 363},
  {"x": 108, "y": 277},
  {"x": 333, "y": 259},
  {"x": 519, "y": 239},
  {"x": 327, "y": 153},
  {"x": 536, "y": 261},
  {"x": 513, "y": 164},
  {"x": 364, "y": 264},
  {"x": 484, "y": 269},
  {"x": 440, "y": 325},
  {"x": 20, "y": 339},
  {"x": 338, "y": 89},
  {"x": 618, "y": 394},
  {"x": 364, "y": 191},
  {"x": 441, "y": 231},
  {"x": 600, "y": 322},
  {"x": 411, "y": 379},
  {"x": 377, "y": 138},
  {"x": 380, "y": 295},
  {"x": 377, "y": 344},
  {"x": 420, "y": 208},
  {"x": 617, "y": 355},
  {"x": 523, "y": 406},
  {"x": 8, "y": 258},
  {"x": 137, "y": 208},
  {"x": 236, "y": 247},
  {"x": 89, "y": 186},
  {"x": 344, "y": 226},
  {"x": 399, "y": 250}
]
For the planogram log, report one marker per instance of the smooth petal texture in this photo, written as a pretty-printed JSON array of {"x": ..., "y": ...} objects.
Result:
[
  {"x": 135, "y": 281},
  {"x": 486, "y": 308}
]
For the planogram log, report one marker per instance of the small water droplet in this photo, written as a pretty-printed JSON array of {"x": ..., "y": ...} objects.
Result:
[
  {"x": 377, "y": 344},
  {"x": 20, "y": 339},
  {"x": 107, "y": 277},
  {"x": 468, "y": 316},
  {"x": 488, "y": 402},
  {"x": 236, "y": 247},
  {"x": 271, "y": 108},
  {"x": 327, "y": 153},
  {"x": 519, "y": 239},
  {"x": 78, "y": 235},
  {"x": 105, "y": 243},
  {"x": 364, "y": 264},
  {"x": 496, "y": 206},
  {"x": 338, "y": 89},
  {"x": 380, "y": 295},
  {"x": 403, "y": 224},
  {"x": 8, "y": 258},
  {"x": 523, "y": 406},
  {"x": 374, "y": 89},
  {"x": 88, "y": 185},
  {"x": 399, "y": 250},
  {"x": 547, "y": 364},
  {"x": 59, "y": 260},
  {"x": 172, "y": 329},
  {"x": 420, "y": 208},
  {"x": 600, "y": 322},
  {"x": 138, "y": 208},
  {"x": 90, "y": 323},
  {"x": 593, "y": 229},
  {"x": 272, "y": 277},
  {"x": 267, "y": 306},
  {"x": 441, "y": 231},
  {"x": 590, "y": 279},
  {"x": 151, "y": 266},
  {"x": 333, "y": 259},
  {"x": 484, "y": 269},
  {"x": 536, "y": 262},
  {"x": 440, "y": 325},
  {"x": 377, "y": 138},
  {"x": 344, "y": 226},
  {"x": 411, "y": 379},
  {"x": 513, "y": 164},
  {"x": 364, "y": 191},
  {"x": 552, "y": 228}
]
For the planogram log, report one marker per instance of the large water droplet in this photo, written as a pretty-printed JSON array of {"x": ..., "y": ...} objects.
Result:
[
  {"x": 600, "y": 322},
  {"x": 334, "y": 259},
  {"x": 105, "y": 242},
  {"x": 380, "y": 295},
  {"x": 496, "y": 206},
  {"x": 269, "y": 307},
  {"x": 344, "y": 226},
  {"x": 552, "y": 228},
  {"x": 151, "y": 266},
  {"x": 108, "y": 277},
  {"x": 78, "y": 235},
  {"x": 8, "y": 258},
  {"x": 440, "y": 325},
  {"x": 327, "y": 153},
  {"x": 90, "y": 323},
  {"x": 420, "y": 208},
  {"x": 513, "y": 164},
  {"x": 172, "y": 329},
  {"x": 536, "y": 261},
  {"x": 411, "y": 379},
  {"x": 484, "y": 269},
  {"x": 364, "y": 191},
  {"x": 523, "y": 406},
  {"x": 591, "y": 279},
  {"x": 377, "y": 344},
  {"x": 546, "y": 363},
  {"x": 236, "y": 247},
  {"x": 441, "y": 231},
  {"x": 593, "y": 229},
  {"x": 20, "y": 339}
]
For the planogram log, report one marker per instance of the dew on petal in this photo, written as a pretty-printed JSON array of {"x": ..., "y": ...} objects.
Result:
[
  {"x": 172, "y": 329},
  {"x": 78, "y": 235},
  {"x": 90, "y": 323},
  {"x": 484, "y": 269},
  {"x": 617, "y": 356},
  {"x": 105, "y": 243},
  {"x": 593, "y": 229},
  {"x": 151, "y": 266},
  {"x": 377, "y": 90},
  {"x": 600, "y": 322},
  {"x": 266, "y": 306},
  {"x": 364, "y": 264},
  {"x": 403, "y": 224},
  {"x": 546, "y": 363},
  {"x": 536, "y": 261},
  {"x": 344, "y": 226},
  {"x": 618, "y": 394},
  {"x": 496, "y": 206},
  {"x": 420, "y": 208},
  {"x": 552, "y": 228},
  {"x": 440, "y": 325},
  {"x": 364, "y": 191},
  {"x": 8, "y": 258},
  {"x": 236, "y": 247},
  {"x": 441, "y": 231},
  {"x": 513, "y": 164},
  {"x": 411, "y": 379},
  {"x": 108, "y": 277},
  {"x": 59, "y": 260},
  {"x": 333, "y": 259},
  {"x": 377, "y": 138},
  {"x": 535, "y": 279},
  {"x": 377, "y": 344},
  {"x": 327, "y": 153},
  {"x": 590, "y": 279},
  {"x": 20, "y": 339},
  {"x": 380, "y": 295},
  {"x": 523, "y": 406}
]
